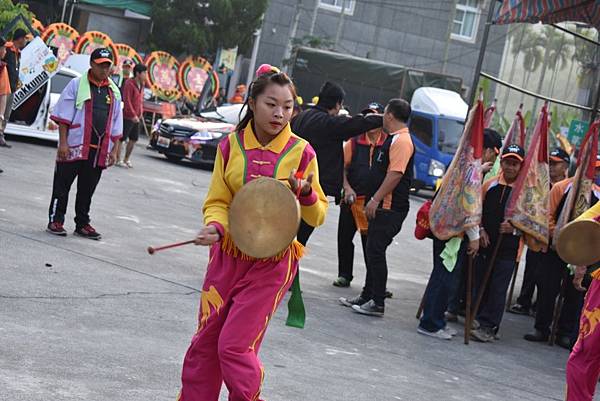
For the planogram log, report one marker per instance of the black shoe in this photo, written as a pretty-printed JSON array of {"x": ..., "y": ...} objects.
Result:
[
  {"x": 349, "y": 302},
  {"x": 537, "y": 337},
  {"x": 564, "y": 342},
  {"x": 388, "y": 294},
  {"x": 88, "y": 231},
  {"x": 3, "y": 143},
  {"x": 519, "y": 309},
  {"x": 56, "y": 229},
  {"x": 341, "y": 282},
  {"x": 370, "y": 308}
]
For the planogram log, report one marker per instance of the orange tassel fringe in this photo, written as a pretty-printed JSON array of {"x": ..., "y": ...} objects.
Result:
[{"x": 229, "y": 247}]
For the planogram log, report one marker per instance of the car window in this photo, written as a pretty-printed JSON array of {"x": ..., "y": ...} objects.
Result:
[
  {"x": 450, "y": 132},
  {"x": 422, "y": 129},
  {"x": 59, "y": 82}
]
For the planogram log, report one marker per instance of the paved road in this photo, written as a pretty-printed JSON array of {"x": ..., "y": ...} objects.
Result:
[{"x": 103, "y": 321}]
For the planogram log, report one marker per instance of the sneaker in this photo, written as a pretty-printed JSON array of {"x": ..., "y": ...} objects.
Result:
[
  {"x": 450, "y": 331},
  {"x": 128, "y": 164},
  {"x": 88, "y": 231},
  {"x": 56, "y": 228},
  {"x": 342, "y": 282},
  {"x": 483, "y": 335},
  {"x": 350, "y": 302},
  {"x": 536, "y": 336},
  {"x": 451, "y": 317},
  {"x": 519, "y": 309},
  {"x": 120, "y": 164},
  {"x": 440, "y": 334},
  {"x": 370, "y": 308}
]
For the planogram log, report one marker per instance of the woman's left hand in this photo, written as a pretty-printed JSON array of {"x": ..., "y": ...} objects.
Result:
[{"x": 295, "y": 183}]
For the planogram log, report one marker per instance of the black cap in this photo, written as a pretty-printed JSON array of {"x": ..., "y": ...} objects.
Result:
[
  {"x": 101, "y": 55},
  {"x": 560, "y": 155},
  {"x": 514, "y": 151},
  {"x": 331, "y": 94},
  {"x": 19, "y": 34},
  {"x": 373, "y": 107},
  {"x": 492, "y": 140},
  {"x": 139, "y": 68}
]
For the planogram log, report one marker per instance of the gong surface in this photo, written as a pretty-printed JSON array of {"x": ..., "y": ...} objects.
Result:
[
  {"x": 578, "y": 243},
  {"x": 264, "y": 217}
]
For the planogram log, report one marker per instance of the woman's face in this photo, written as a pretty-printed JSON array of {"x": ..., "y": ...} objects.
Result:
[{"x": 273, "y": 109}]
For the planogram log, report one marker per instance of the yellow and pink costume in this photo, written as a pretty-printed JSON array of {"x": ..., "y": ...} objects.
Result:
[
  {"x": 583, "y": 367},
  {"x": 240, "y": 294}
]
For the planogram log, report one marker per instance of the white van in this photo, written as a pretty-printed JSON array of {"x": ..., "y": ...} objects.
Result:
[{"x": 32, "y": 118}]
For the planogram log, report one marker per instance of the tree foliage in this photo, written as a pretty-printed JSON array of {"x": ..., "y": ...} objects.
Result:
[
  {"x": 9, "y": 11},
  {"x": 201, "y": 27}
]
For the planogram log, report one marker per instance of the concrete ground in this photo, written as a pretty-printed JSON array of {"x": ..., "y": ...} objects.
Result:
[{"x": 104, "y": 321}]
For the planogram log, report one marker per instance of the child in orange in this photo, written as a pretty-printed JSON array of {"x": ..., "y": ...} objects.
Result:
[{"x": 240, "y": 294}]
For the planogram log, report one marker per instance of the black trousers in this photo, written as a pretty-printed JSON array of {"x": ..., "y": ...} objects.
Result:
[
  {"x": 382, "y": 230},
  {"x": 65, "y": 173},
  {"x": 533, "y": 261},
  {"x": 493, "y": 301},
  {"x": 551, "y": 274},
  {"x": 345, "y": 236}
]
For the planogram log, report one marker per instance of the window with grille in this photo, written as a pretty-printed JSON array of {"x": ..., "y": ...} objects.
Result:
[
  {"x": 336, "y": 5},
  {"x": 466, "y": 20}
]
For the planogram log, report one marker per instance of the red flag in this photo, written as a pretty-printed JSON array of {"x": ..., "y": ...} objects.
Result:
[
  {"x": 527, "y": 208},
  {"x": 516, "y": 128},
  {"x": 579, "y": 197},
  {"x": 489, "y": 114},
  {"x": 457, "y": 205}
]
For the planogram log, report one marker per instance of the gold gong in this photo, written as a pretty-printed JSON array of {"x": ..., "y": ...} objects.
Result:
[
  {"x": 578, "y": 242},
  {"x": 264, "y": 217}
]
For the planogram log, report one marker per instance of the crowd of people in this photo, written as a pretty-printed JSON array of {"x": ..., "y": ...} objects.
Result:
[{"x": 365, "y": 163}]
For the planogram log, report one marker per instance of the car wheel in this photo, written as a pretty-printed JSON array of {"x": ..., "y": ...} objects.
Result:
[{"x": 173, "y": 158}]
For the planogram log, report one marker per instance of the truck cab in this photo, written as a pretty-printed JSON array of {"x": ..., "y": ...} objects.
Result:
[
  {"x": 32, "y": 118},
  {"x": 436, "y": 125}
]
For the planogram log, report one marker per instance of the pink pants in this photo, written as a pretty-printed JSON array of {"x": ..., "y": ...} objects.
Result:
[
  {"x": 239, "y": 297},
  {"x": 583, "y": 367}
]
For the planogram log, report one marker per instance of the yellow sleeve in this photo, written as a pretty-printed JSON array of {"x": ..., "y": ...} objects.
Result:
[
  {"x": 314, "y": 206},
  {"x": 591, "y": 213},
  {"x": 219, "y": 197}
]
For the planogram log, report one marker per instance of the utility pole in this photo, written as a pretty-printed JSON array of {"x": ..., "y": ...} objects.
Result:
[
  {"x": 313, "y": 22},
  {"x": 252, "y": 67},
  {"x": 71, "y": 13},
  {"x": 64, "y": 11},
  {"x": 293, "y": 30},
  {"x": 340, "y": 26},
  {"x": 449, "y": 35}
]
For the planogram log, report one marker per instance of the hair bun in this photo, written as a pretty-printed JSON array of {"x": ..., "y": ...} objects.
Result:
[{"x": 266, "y": 69}]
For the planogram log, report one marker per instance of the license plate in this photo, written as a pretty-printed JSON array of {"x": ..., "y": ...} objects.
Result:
[{"x": 163, "y": 142}]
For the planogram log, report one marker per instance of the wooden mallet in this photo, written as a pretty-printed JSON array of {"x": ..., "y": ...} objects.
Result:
[{"x": 152, "y": 249}]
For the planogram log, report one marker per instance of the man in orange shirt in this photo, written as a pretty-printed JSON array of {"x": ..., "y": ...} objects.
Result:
[
  {"x": 4, "y": 81},
  {"x": 388, "y": 204}
]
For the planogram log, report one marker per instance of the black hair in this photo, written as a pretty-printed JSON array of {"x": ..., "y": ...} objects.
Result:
[
  {"x": 2, "y": 41},
  {"x": 138, "y": 69},
  {"x": 400, "y": 109},
  {"x": 330, "y": 95},
  {"x": 257, "y": 87}
]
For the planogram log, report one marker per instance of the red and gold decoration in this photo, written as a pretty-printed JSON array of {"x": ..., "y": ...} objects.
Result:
[
  {"x": 37, "y": 25},
  {"x": 162, "y": 75},
  {"x": 63, "y": 37},
  {"x": 126, "y": 52},
  {"x": 193, "y": 74},
  {"x": 92, "y": 40}
]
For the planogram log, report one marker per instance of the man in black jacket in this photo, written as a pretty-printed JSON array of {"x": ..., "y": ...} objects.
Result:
[
  {"x": 13, "y": 61},
  {"x": 326, "y": 131}
]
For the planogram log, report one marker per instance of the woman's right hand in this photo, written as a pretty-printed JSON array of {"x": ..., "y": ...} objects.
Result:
[
  {"x": 349, "y": 195},
  {"x": 207, "y": 236}
]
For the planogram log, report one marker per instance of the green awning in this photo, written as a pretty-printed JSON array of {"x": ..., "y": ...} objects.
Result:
[{"x": 137, "y": 6}]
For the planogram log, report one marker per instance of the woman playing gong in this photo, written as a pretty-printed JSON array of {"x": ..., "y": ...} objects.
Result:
[{"x": 240, "y": 294}]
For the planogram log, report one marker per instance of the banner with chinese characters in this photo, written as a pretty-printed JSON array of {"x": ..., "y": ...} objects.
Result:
[
  {"x": 194, "y": 73},
  {"x": 162, "y": 75}
]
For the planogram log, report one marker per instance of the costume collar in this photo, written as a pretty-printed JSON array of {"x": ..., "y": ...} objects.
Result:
[
  {"x": 97, "y": 83},
  {"x": 275, "y": 146},
  {"x": 364, "y": 139}
]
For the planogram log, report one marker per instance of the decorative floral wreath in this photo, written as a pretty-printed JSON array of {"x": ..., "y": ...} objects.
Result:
[
  {"x": 194, "y": 73},
  {"x": 63, "y": 37},
  {"x": 91, "y": 40},
  {"x": 162, "y": 75},
  {"x": 126, "y": 52}
]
